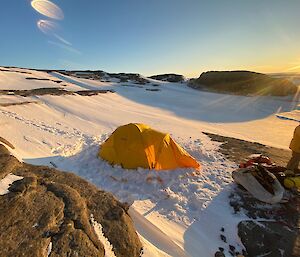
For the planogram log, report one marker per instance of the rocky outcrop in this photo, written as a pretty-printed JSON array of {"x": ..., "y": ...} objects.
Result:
[
  {"x": 270, "y": 239},
  {"x": 54, "y": 91},
  {"x": 105, "y": 76},
  {"x": 238, "y": 150},
  {"x": 48, "y": 205},
  {"x": 273, "y": 230},
  {"x": 243, "y": 83},
  {"x": 129, "y": 77},
  {"x": 270, "y": 230},
  {"x": 169, "y": 77}
]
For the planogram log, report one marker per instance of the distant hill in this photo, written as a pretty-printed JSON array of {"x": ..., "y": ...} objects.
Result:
[
  {"x": 243, "y": 83},
  {"x": 169, "y": 77},
  {"x": 105, "y": 76}
]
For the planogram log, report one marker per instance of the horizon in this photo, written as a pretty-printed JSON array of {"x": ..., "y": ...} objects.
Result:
[
  {"x": 151, "y": 38},
  {"x": 290, "y": 73}
]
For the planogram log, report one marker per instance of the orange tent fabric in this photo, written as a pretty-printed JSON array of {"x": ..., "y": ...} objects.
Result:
[{"x": 137, "y": 145}]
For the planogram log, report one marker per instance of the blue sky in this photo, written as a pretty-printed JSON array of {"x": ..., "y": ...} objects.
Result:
[{"x": 154, "y": 36}]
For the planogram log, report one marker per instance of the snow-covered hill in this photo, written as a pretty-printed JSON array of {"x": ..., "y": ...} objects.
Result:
[{"x": 181, "y": 209}]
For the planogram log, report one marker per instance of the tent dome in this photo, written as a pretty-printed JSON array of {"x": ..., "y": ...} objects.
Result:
[{"x": 137, "y": 145}]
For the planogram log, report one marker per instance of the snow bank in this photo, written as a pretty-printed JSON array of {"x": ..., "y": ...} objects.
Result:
[{"x": 15, "y": 78}]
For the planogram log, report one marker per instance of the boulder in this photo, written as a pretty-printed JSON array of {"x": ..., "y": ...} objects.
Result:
[{"x": 49, "y": 205}]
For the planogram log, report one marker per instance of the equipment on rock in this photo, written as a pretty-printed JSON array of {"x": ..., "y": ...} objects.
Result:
[{"x": 261, "y": 183}]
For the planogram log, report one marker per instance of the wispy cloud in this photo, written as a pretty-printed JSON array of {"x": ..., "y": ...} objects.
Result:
[
  {"x": 64, "y": 41},
  {"x": 65, "y": 47},
  {"x": 50, "y": 27}
]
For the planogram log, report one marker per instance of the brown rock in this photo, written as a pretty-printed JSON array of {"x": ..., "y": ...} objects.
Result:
[{"x": 48, "y": 205}]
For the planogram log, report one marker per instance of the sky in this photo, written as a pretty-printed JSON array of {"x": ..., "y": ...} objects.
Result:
[{"x": 151, "y": 36}]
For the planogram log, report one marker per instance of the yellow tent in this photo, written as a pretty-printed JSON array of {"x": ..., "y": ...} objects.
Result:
[{"x": 137, "y": 145}]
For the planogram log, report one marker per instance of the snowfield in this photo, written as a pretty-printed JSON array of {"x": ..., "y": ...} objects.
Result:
[{"x": 176, "y": 213}]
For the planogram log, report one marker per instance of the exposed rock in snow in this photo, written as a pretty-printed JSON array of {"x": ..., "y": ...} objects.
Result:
[
  {"x": 48, "y": 211},
  {"x": 169, "y": 77},
  {"x": 108, "y": 248},
  {"x": 6, "y": 182}
]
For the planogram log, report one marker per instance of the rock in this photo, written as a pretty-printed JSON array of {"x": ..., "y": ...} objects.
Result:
[
  {"x": 125, "y": 77},
  {"x": 48, "y": 205},
  {"x": 243, "y": 83},
  {"x": 219, "y": 254},
  {"x": 281, "y": 223},
  {"x": 285, "y": 215},
  {"x": 86, "y": 74},
  {"x": 169, "y": 77},
  {"x": 53, "y": 91},
  {"x": 238, "y": 150},
  {"x": 223, "y": 238},
  {"x": 4, "y": 141},
  {"x": 232, "y": 248},
  {"x": 7, "y": 164},
  {"x": 153, "y": 89},
  {"x": 27, "y": 183},
  {"x": 231, "y": 253},
  {"x": 268, "y": 238}
]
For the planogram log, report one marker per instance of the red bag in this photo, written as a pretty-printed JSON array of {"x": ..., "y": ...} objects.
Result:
[{"x": 261, "y": 159}]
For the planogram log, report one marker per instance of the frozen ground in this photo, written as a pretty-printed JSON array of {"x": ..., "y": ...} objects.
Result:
[{"x": 181, "y": 209}]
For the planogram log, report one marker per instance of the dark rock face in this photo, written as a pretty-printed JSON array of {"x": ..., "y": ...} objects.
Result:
[
  {"x": 238, "y": 150},
  {"x": 54, "y": 91},
  {"x": 169, "y": 77},
  {"x": 267, "y": 239},
  {"x": 277, "y": 235},
  {"x": 243, "y": 83},
  {"x": 96, "y": 75},
  {"x": 48, "y": 205},
  {"x": 87, "y": 74},
  {"x": 126, "y": 77}
]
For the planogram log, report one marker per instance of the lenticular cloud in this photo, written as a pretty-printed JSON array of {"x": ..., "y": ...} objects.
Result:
[
  {"x": 48, "y": 9},
  {"x": 47, "y": 27}
]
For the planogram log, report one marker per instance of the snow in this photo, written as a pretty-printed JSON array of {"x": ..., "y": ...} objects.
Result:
[
  {"x": 150, "y": 250},
  {"x": 49, "y": 249},
  {"x": 6, "y": 182},
  {"x": 176, "y": 213},
  {"x": 12, "y": 79},
  {"x": 293, "y": 115},
  {"x": 108, "y": 248}
]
